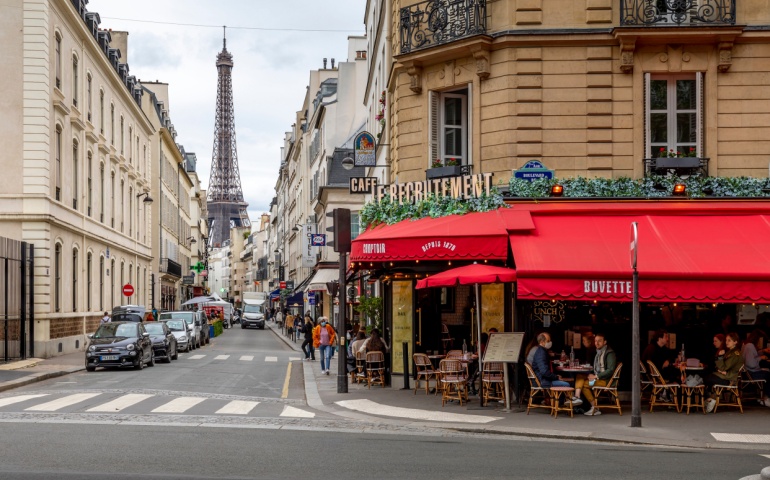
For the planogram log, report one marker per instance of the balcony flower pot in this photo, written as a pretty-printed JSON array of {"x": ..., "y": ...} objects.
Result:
[
  {"x": 677, "y": 162},
  {"x": 441, "y": 172}
]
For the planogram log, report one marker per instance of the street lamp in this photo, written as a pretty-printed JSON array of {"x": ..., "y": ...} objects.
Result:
[
  {"x": 147, "y": 197},
  {"x": 191, "y": 240}
]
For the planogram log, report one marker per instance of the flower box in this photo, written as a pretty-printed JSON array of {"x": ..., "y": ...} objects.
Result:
[
  {"x": 677, "y": 162},
  {"x": 441, "y": 172}
]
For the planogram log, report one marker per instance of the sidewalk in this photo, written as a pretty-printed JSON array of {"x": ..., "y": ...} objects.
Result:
[
  {"x": 23, "y": 372},
  {"x": 726, "y": 429}
]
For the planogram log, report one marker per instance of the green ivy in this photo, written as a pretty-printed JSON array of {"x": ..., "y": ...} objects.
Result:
[
  {"x": 389, "y": 212},
  {"x": 654, "y": 186}
]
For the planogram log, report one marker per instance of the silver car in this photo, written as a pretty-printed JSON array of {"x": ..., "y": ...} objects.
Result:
[
  {"x": 184, "y": 341},
  {"x": 193, "y": 325}
]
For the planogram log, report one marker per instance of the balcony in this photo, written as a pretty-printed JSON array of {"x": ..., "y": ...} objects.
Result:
[
  {"x": 677, "y": 13},
  {"x": 678, "y": 166},
  {"x": 170, "y": 268},
  {"x": 436, "y": 22}
]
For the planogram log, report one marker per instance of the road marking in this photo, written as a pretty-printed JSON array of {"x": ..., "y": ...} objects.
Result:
[
  {"x": 238, "y": 407},
  {"x": 120, "y": 403},
  {"x": 741, "y": 437},
  {"x": 179, "y": 405},
  {"x": 271, "y": 359},
  {"x": 294, "y": 359},
  {"x": 285, "y": 391},
  {"x": 766, "y": 456},
  {"x": 54, "y": 405},
  {"x": 20, "y": 398},
  {"x": 197, "y": 357},
  {"x": 221, "y": 357},
  {"x": 373, "y": 408},
  {"x": 296, "y": 412},
  {"x": 247, "y": 358}
]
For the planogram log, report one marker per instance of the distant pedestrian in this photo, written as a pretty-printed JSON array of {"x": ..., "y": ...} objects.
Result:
[
  {"x": 289, "y": 324},
  {"x": 279, "y": 319},
  {"x": 307, "y": 345},
  {"x": 106, "y": 318},
  {"x": 324, "y": 338},
  {"x": 297, "y": 327}
]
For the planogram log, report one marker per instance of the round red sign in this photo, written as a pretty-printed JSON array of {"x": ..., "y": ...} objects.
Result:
[{"x": 128, "y": 290}]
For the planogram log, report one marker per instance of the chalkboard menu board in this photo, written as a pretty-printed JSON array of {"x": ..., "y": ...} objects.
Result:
[{"x": 504, "y": 347}]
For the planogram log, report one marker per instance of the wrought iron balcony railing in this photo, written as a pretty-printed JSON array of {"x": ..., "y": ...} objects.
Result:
[
  {"x": 435, "y": 22},
  {"x": 679, "y": 166},
  {"x": 667, "y": 13},
  {"x": 170, "y": 267}
]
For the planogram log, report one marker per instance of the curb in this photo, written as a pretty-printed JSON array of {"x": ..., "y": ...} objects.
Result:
[{"x": 38, "y": 377}]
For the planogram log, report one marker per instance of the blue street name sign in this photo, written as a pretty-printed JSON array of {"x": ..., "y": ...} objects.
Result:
[
  {"x": 532, "y": 170},
  {"x": 311, "y": 298}
]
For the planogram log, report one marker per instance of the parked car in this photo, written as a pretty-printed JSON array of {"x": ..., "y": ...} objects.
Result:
[
  {"x": 128, "y": 313},
  {"x": 205, "y": 331},
  {"x": 120, "y": 344},
  {"x": 163, "y": 341},
  {"x": 193, "y": 324},
  {"x": 178, "y": 328}
]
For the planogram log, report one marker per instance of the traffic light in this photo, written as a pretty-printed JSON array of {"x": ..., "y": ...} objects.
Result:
[{"x": 341, "y": 229}]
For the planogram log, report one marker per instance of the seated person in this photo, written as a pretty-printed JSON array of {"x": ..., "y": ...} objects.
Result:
[
  {"x": 356, "y": 344},
  {"x": 728, "y": 365},
  {"x": 604, "y": 366},
  {"x": 374, "y": 343},
  {"x": 589, "y": 350},
  {"x": 659, "y": 354},
  {"x": 751, "y": 359},
  {"x": 541, "y": 365}
]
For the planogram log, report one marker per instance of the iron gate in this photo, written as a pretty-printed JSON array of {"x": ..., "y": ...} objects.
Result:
[{"x": 17, "y": 330}]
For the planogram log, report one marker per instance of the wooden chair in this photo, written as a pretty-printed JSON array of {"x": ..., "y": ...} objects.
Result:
[
  {"x": 646, "y": 387},
  {"x": 536, "y": 389},
  {"x": 360, "y": 367},
  {"x": 751, "y": 389},
  {"x": 731, "y": 394},
  {"x": 454, "y": 381},
  {"x": 446, "y": 340},
  {"x": 609, "y": 391},
  {"x": 659, "y": 386},
  {"x": 492, "y": 381},
  {"x": 425, "y": 372},
  {"x": 375, "y": 369}
]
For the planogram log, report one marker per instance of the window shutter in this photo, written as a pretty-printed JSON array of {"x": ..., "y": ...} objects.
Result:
[
  {"x": 647, "y": 149},
  {"x": 468, "y": 154},
  {"x": 699, "y": 114},
  {"x": 434, "y": 127}
]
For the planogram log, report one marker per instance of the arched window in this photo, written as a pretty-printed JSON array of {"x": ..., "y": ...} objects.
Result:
[
  {"x": 112, "y": 123},
  {"x": 57, "y": 278},
  {"x": 75, "y": 174},
  {"x": 57, "y": 59},
  {"x": 130, "y": 211},
  {"x": 112, "y": 197},
  {"x": 130, "y": 144},
  {"x": 89, "y": 265},
  {"x": 101, "y": 111},
  {"x": 122, "y": 279},
  {"x": 101, "y": 283},
  {"x": 75, "y": 80},
  {"x": 57, "y": 172},
  {"x": 89, "y": 98},
  {"x": 122, "y": 204},
  {"x": 75, "y": 269},
  {"x": 122, "y": 136},
  {"x": 103, "y": 187},
  {"x": 89, "y": 183},
  {"x": 112, "y": 282}
]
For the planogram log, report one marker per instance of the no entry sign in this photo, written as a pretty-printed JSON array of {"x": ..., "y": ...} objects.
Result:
[{"x": 128, "y": 290}]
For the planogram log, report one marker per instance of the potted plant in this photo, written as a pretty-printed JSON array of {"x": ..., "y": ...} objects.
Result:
[
  {"x": 371, "y": 308},
  {"x": 677, "y": 159},
  {"x": 448, "y": 168}
]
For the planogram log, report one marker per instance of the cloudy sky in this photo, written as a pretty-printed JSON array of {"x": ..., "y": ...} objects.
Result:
[{"x": 274, "y": 50}]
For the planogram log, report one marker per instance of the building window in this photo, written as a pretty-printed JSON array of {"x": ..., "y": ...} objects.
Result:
[
  {"x": 101, "y": 283},
  {"x": 57, "y": 173},
  {"x": 112, "y": 201},
  {"x": 103, "y": 187},
  {"x": 74, "y": 279},
  {"x": 122, "y": 136},
  {"x": 101, "y": 112},
  {"x": 57, "y": 278},
  {"x": 89, "y": 184},
  {"x": 122, "y": 278},
  {"x": 88, "y": 93},
  {"x": 112, "y": 282},
  {"x": 75, "y": 80},
  {"x": 355, "y": 225},
  {"x": 130, "y": 150},
  {"x": 75, "y": 174},
  {"x": 130, "y": 211},
  {"x": 89, "y": 258},
  {"x": 112, "y": 124},
  {"x": 674, "y": 119},
  {"x": 449, "y": 131},
  {"x": 122, "y": 204},
  {"x": 57, "y": 59}
]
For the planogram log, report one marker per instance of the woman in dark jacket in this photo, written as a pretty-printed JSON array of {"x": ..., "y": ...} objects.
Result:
[{"x": 307, "y": 345}]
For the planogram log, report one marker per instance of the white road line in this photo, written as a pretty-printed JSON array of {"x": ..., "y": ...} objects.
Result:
[
  {"x": 247, "y": 358},
  {"x": 221, "y": 357},
  {"x": 741, "y": 437},
  {"x": 766, "y": 456},
  {"x": 296, "y": 412},
  {"x": 294, "y": 359},
  {"x": 271, "y": 359},
  {"x": 196, "y": 357},
  {"x": 179, "y": 405},
  {"x": 20, "y": 398},
  {"x": 373, "y": 408},
  {"x": 120, "y": 403},
  {"x": 238, "y": 407},
  {"x": 60, "y": 403}
]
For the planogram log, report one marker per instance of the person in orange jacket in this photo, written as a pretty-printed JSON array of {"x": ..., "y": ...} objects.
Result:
[{"x": 324, "y": 339}]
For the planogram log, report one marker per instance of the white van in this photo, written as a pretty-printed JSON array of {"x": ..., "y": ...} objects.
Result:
[{"x": 253, "y": 314}]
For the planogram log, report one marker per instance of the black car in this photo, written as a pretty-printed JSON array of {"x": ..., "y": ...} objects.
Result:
[
  {"x": 120, "y": 344},
  {"x": 163, "y": 341}
]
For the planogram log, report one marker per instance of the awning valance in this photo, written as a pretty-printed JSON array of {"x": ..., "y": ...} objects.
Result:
[
  {"x": 690, "y": 252},
  {"x": 321, "y": 277}
]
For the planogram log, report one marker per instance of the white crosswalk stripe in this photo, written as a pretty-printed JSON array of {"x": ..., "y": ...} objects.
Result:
[
  {"x": 63, "y": 402},
  {"x": 247, "y": 358},
  {"x": 221, "y": 357},
  {"x": 120, "y": 403},
  {"x": 21, "y": 398},
  {"x": 196, "y": 357},
  {"x": 179, "y": 405},
  {"x": 238, "y": 407},
  {"x": 296, "y": 412},
  {"x": 271, "y": 359},
  {"x": 294, "y": 359}
]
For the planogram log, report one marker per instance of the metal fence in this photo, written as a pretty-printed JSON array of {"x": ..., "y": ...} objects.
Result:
[{"x": 17, "y": 330}]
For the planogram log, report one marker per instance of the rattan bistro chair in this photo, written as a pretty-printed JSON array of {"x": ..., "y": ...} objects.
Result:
[
  {"x": 492, "y": 381},
  {"x": 646, "y": 387},
  {"x": 425, "y": 372},
  {"x": 728, "y": 395},
  {"x": 659, "y": 386},
  {"x": 454, "y": 381},
  {"x": 536, "y": 389},
  {"x": 609, "y": 391},
  {"x": 360, "y": 376},
  {"x": 375, "y": 369},
  {"x": 751, "y": 388}
]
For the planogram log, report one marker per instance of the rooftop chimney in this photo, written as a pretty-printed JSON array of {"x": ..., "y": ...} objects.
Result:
[
  {"x": 332, "y": 64},
  {"x": 324, "y": 64}
]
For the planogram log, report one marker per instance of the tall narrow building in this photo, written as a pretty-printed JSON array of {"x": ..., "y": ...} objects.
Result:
[{"x": 225, "y": 197}]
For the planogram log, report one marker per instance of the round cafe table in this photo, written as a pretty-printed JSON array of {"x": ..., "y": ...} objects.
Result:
[
  {"x": 556, "y": 394},
  {"x": 578, "y": 369}
]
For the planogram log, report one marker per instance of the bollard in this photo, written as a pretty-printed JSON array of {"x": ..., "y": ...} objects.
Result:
[{"x": 405, "y": 349}]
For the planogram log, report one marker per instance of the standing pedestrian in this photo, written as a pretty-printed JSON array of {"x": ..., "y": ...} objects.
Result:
[
  {"x": 307, "y": 345},
  {"x": 324, "y": 339},
  {"x": 106, "y": 317},
  {"x": 279, "y": 319},
  {"x": 297, "y": 327},
  {"x": 288, "y": 323}
]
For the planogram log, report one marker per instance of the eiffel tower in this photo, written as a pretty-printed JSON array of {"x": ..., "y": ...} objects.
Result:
[{"x": 225, "y": 197}]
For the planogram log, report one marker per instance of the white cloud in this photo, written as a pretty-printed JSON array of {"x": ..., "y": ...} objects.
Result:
[{"x": 269, "y": 78}]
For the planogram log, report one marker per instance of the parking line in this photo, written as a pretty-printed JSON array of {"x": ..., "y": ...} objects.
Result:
[
  {"x": 238, "y": 407},
  {"x": 247, "y": 358},
  {"x": 179, "y": 405},
  {"x": 221, "y": 357},
  {"x": 21, "y": 398},
  {"x": 120, "y": 403},
  {"x": 285, "y": 392},
  {"x": 271, "y": 359},
  {"x": 294, "y": 359},
  {"x": 196, "y": 357},
  {"x": 59, "y": 403}
]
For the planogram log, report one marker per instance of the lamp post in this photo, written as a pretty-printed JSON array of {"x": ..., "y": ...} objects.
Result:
[{"x": 636, "y": 400}]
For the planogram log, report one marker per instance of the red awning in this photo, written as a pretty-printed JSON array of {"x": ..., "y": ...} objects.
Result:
[
  {"x": 688, "y": 251},
  {"x": 473, "y": 236}
]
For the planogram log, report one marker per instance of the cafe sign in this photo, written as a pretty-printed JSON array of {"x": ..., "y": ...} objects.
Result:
[
  {"x": 548, "y": 312},
  {"x": 461, "y": 187},
  {"x": 363, "y": 151}
]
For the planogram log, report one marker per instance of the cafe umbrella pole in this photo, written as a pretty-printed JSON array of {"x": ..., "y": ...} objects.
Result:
[{"x": 636, "y": 399}]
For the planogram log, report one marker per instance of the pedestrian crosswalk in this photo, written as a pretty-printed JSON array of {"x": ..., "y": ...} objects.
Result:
[
  {"x": 242, "y": 358},
  {"x": 118, "y": 402}
]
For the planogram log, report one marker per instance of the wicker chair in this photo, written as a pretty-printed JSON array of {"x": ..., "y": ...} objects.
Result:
[
  {"x": 751, "y": 388},
  {"x": 454, "y": 381},
  {"x": 492, "y": 381},
  {"x": 659, "y": 386},
  {"x": 536, "y": 389},
  {"x": 360, "y": 376},
  {"x": 609, "y": 391},
  {"x": 646, "y": 387},
  {"x": 446, "y": 339},
  {"x": 425, "y": 372},
  {"x": 731, "y": 394},
  {"x": 375, "y": 369},
  {"x": 454, "y": 354}
]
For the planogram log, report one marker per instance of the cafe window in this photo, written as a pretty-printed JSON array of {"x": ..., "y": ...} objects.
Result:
[
  {"x": 674, "y": 115},
  {"x": 449, "y": 128}
]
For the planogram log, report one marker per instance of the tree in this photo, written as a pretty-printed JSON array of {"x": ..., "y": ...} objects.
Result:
[{"x": 371, "y": 308}]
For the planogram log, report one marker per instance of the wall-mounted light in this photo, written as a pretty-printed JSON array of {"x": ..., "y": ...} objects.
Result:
[
  {"x": 147, "y": 197},
  {"x": 557, "y": 190},
  {"x": 192, "y": 240},
  {"x": 680, "y": 190}
]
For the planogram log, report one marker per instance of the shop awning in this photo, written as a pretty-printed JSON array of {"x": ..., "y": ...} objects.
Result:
[
  {"x": 298, "y": 299},
  {"x": 275, "y": 294},
  {"x": 321, "y": 277},
  {"x": 703, "y": 252},
  {"x": 473, "y": 236}
]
